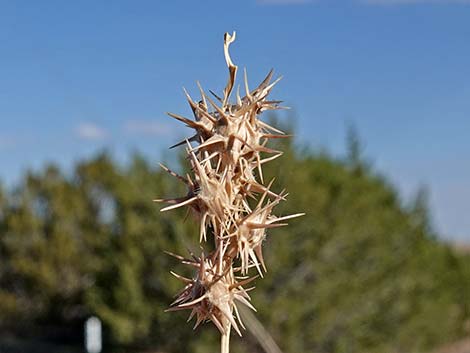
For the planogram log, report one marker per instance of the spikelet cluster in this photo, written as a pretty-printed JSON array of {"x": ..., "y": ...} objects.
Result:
[{"x": 226, "y": 156}]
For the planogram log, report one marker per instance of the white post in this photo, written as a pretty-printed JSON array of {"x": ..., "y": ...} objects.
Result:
[{"x": 93, "y": 336}]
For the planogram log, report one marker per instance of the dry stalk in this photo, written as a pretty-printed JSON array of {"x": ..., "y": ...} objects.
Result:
[{"x": 226, "y": 170}]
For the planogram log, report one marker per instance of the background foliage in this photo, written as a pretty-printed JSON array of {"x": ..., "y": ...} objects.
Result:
[{"x": 361, "y": 272}]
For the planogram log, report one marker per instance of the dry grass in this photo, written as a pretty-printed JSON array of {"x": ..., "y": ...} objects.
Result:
[{"x": 226, "y": 154}]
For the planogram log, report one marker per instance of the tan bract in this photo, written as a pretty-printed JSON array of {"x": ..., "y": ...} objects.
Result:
[{"x": 225, "y": 155}]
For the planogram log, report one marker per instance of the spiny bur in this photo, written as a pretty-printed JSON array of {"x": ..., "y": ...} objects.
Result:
[{"x": 226, "y": 154}]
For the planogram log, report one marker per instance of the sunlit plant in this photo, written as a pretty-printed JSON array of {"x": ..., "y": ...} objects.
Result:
[{"x": 228, "y": 196}]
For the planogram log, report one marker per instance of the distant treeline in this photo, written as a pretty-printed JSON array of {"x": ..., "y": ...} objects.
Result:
[{"x": 361, "y": 272}]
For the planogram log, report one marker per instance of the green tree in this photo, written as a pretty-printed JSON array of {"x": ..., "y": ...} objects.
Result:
[{"x": 361, "y": 272}]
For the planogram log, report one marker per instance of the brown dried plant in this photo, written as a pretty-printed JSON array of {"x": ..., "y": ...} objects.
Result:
[{"x": 226, "y": 170}]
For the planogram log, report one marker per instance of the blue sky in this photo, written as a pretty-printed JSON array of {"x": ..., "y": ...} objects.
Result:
[{"x": 80, "y": 76}]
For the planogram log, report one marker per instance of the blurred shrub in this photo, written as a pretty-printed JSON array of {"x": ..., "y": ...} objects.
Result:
[{"x": 360, "y": 273}]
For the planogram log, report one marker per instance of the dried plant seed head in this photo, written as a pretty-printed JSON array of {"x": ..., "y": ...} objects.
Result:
[
  {"x": 226, "y": 162},
  {"x": 212, "y": 294}
]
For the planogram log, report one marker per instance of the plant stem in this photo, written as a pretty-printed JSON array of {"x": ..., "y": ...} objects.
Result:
[{"x": 225, "y": 340}]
